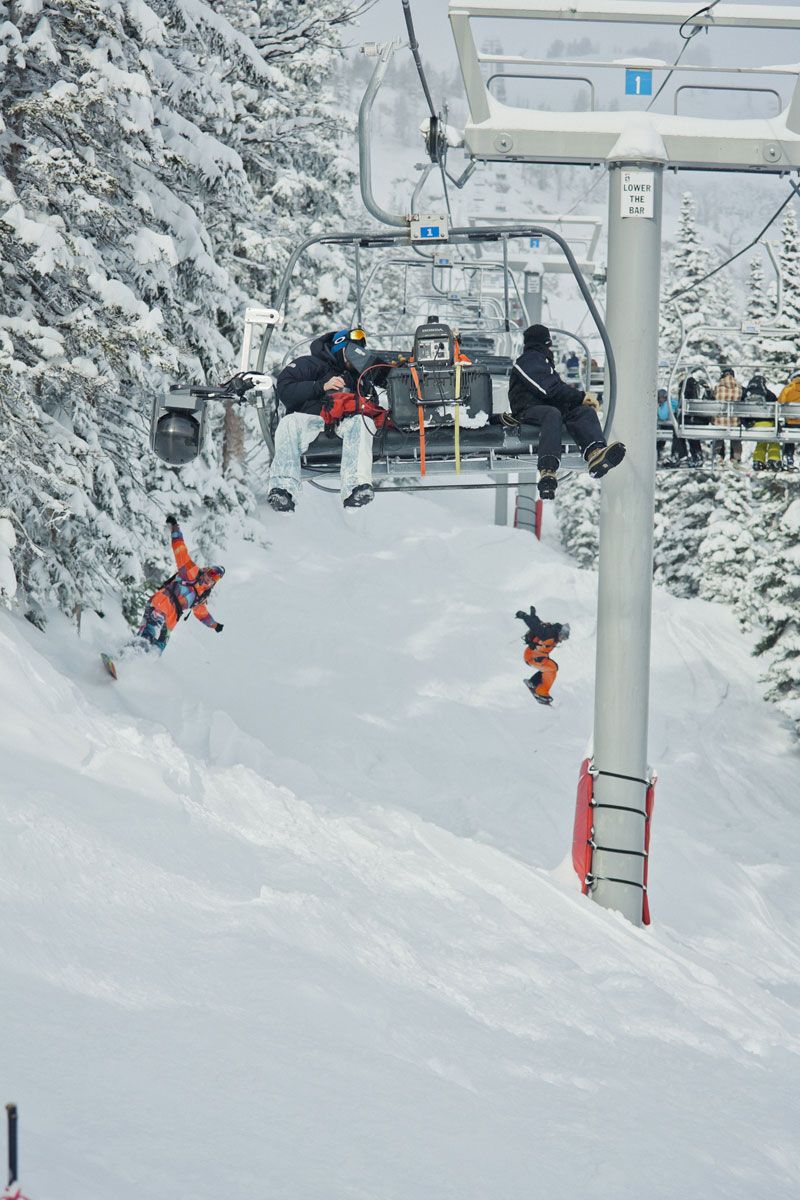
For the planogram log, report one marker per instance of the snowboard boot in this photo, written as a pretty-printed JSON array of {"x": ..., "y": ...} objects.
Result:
[
  {"x": 548, "y": 482},
  {"x": 280, "y": 501},
  {"x": 601, "y": 458},
  {"x": 359, "y": 496},
  {"x": 759, "y": 466},
  {"x": 531, "y": 686}
]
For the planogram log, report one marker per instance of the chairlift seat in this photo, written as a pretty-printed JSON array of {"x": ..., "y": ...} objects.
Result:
[{"x": 492, "y": 447}]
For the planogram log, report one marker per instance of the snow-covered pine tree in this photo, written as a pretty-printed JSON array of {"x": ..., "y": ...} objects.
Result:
[
  {"x": 143, "y": 147},
  {"x": 782, "y": 352},
  {"x": 775, "y": 597},
  {"x": 577, "y": 506},
  {"x": 683, "y": 502},
  {"x": 727, "y": 551},
  {"x": 298, "y": 153},
  {"x": 708, "y": 302}
]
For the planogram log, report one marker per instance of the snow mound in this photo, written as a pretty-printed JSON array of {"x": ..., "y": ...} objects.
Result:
[{"x": 284, "y": 909}]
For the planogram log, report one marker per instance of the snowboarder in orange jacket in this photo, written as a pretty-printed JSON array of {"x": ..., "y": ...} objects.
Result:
[
  {"x": 184, "y": 592},
  {"x": 540, "y": 641}
]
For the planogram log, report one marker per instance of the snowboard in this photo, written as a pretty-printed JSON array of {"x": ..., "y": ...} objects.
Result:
[
  {"x": 539, "y": 699},
  {"x": 109, "y": 665}
]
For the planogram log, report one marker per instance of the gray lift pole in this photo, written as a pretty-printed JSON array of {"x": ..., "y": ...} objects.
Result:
[{"x": 622, "y": 681}]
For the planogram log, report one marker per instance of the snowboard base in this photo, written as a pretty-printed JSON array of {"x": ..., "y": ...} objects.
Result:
[{"x": 109, "y": 665}]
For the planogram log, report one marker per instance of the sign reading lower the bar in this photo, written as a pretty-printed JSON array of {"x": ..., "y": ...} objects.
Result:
[{"x": 638, "y": 192}]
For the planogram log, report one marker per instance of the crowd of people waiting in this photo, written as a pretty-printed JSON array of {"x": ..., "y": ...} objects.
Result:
[{"x": 686, "y": 451}]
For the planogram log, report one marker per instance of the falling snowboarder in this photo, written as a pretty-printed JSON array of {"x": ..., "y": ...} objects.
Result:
[
  {"x": 540, "y": 640},
  {"x": 184, "y": 592}
]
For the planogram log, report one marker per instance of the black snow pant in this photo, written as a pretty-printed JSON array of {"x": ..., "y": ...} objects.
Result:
[{"x": 582, "y": 423}]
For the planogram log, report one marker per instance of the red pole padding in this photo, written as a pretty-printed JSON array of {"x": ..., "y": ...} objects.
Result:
[
  {"x": 537, "y": 520},
  {"x": 582, "y": 832},
  {"x": 649, "y": 804}
]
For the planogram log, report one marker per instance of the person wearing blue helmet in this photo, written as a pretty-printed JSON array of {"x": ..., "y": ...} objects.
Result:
[{"x": 319, "y": 390}]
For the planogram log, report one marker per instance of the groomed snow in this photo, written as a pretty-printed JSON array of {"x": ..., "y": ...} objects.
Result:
[{"x": 283, "y": 913}]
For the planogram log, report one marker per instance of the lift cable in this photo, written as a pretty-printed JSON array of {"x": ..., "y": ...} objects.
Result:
[
  {"x": 414, "y": 48},
  {"x": 716, "y": 270},
  {"x": 687, "y": 37}
]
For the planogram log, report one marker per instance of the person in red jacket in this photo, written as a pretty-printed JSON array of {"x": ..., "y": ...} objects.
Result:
[{"x": 540, "y": 641}]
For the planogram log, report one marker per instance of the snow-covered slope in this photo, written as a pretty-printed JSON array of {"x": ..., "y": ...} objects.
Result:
[{"x": 283, "y": 913}]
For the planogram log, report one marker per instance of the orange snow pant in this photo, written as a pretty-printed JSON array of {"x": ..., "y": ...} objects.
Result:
[{"x": 546, "y": 670}]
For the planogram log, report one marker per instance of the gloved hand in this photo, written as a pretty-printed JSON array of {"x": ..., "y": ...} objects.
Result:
[
  {"x": 218, "y": 628},
  {"x": 564, "y": 634},
  {"x": 171, "y": 521},
  {"x": 591, "y": 401},
  {"x": 521, "y": 615}
]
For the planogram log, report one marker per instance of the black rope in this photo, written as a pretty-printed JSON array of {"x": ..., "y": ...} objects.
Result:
[
  {"x": 619, "y": 807},
  {"x": 591, "y": 880},
  {"x": 613, "y": 850},
  {"x": 616, "y": 775}
]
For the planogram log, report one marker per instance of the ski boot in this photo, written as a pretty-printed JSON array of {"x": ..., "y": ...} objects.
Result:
[
  {"x": 601, "y": 459},
  {"x": 359, "y": 496},
  {"x": 759, "y": 466},
  {"x": 531, "y": 686},
  {"x": 548, "y": 482},
  {"x": 280, "y": 500}
]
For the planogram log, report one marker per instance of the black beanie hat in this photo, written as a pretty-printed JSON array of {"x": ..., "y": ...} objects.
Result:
[{"x": 537, "y": 335}]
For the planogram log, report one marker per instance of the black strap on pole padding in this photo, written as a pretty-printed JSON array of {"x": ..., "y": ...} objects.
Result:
[
  {"x": 13, "y": 1166},
  {"x": 620, "y": 808},
  {"x": 593, "y": 879},
  {"x": 613, "y": 850},
  {"x": 616, "y": 775}
]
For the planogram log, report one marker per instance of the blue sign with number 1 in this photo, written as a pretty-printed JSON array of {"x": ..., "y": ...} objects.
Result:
[
  {"x": 430, "y": 231},
  {"x": 638, "y": 83}
]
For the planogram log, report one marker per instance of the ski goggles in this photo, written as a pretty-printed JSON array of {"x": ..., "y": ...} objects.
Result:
[{"x": 345, "y": 336}]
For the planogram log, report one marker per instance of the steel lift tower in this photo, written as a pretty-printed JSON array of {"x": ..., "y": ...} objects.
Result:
[{"x": 636, "y": 147}]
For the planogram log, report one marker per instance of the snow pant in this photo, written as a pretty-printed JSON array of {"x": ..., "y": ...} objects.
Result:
[
  {"x": 766, "y": 451},
  {"x": 582, "y": 423},
  {"x": 152, "y": 634},
  {"x": 685, "y": 447},
  {"x": 545, "y": 675},
  {"x": 718, "y": 448},
  {"x": 296, "y": 432}
]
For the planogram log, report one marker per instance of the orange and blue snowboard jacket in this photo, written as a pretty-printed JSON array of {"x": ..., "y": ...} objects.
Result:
[{"x": 187, "y": 589}]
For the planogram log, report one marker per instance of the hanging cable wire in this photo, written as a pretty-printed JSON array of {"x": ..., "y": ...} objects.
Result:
[
  {"x": 716, "y": 270},
  {"x": 687, "y": 37},
  {"x": 414, "y": 48}
]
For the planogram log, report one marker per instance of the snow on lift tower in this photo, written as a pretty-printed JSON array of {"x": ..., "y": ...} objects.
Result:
[{"x": 636, "y": 146}]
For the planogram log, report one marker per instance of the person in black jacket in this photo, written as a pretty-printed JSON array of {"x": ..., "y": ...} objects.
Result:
[
  {"x": 539, "y": 396},
  {"x": 308, "y": 387},
  {"x": 541, "y": 639}
]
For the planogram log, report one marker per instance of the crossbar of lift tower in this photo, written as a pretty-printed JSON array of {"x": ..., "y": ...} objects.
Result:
[
  {"x": 497, "y": 132},
  {"x": 638, "y": 12}
]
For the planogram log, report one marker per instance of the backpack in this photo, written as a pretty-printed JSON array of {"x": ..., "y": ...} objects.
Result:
[{"x": 168, "y": 588}]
